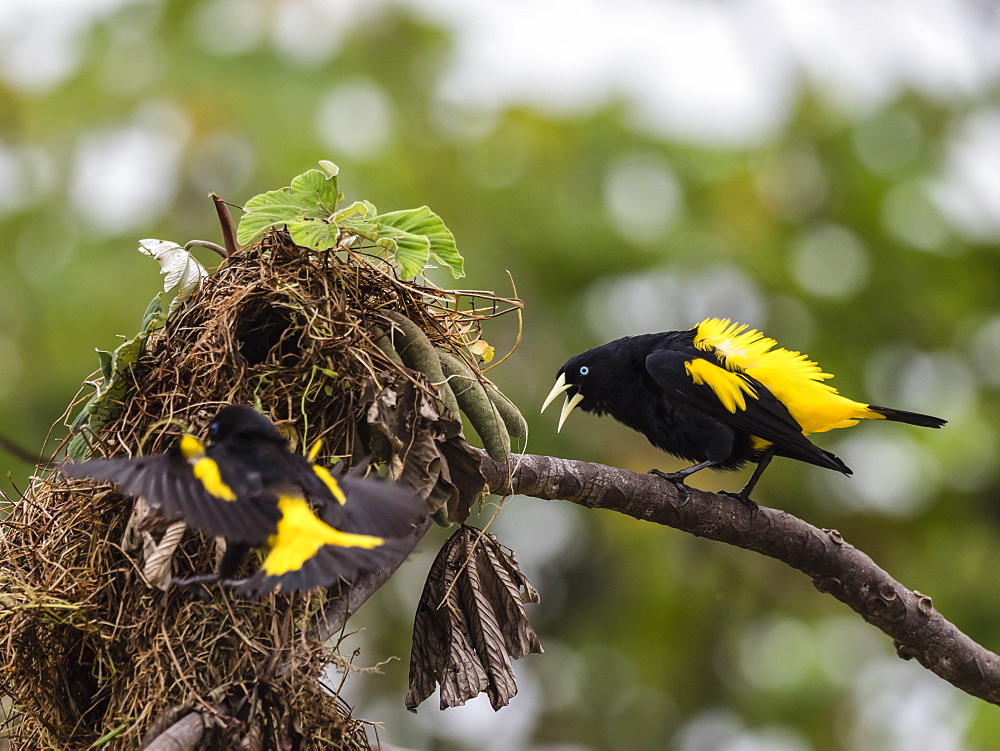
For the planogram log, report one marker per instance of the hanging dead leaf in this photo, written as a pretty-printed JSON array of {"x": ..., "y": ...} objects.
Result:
[{"x": 470, "y": 623}]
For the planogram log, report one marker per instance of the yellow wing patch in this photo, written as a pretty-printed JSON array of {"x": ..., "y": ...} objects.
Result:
[
  {"x": 191, "y": 448},
  {"x": 315, "y": 449},
  {"x": 301, "y": 534},
  {"x": 727, "y": 386},
  {"x": 332, "y": 485},
  {"x": 205, "y": 470},
  {"x": 794, "y": 379}
]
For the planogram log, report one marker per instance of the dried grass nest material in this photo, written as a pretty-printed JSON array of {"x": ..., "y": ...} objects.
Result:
[{"x": 91, "y": 653}]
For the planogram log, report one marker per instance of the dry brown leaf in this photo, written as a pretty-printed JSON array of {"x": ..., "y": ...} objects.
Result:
[
  {"x": 470, "y": 624},
  {"x": 159, "y": 563},
  {"x": 428, "y": 452}
]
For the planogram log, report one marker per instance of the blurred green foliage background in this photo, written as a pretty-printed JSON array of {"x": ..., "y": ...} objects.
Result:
[{"x": 828, "y": 172}]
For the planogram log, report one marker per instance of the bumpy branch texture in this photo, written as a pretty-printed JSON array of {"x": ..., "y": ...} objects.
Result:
[{"x": 837, "y": 568}]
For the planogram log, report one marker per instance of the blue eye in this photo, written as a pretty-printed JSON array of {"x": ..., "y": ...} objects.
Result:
[{"x": 584, "y": 370}]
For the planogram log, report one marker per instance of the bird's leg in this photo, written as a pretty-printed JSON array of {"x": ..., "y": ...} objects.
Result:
[
  {"x": 231, "y": 560},
  {"x": 198, "y": 584},
  {"x": 678, "y": 477},
  {"x": 744, "y": 495},
  {"x": 193, "y": 581}
]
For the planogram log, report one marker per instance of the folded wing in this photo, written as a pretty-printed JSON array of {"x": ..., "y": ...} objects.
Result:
[{"x": 736, "y": 400}]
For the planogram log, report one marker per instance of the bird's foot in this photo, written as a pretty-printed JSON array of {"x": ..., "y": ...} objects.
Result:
[
  {"x": 677, "y": 478},
  {"x": 744, "y": 499}
]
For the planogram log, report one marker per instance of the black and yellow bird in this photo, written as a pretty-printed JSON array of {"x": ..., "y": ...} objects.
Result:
[
  {"x": 720, "y": 395},
  {"x": 247, "y": 487}
]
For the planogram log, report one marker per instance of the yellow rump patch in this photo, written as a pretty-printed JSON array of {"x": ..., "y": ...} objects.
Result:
[
  {"x": 727, "y": 386},
  {"x": 796, "y": 381},
  {"x": 301, "y": 534},
  {"x": 207, "y": 471},
  {"x": 332, "y": 485}
]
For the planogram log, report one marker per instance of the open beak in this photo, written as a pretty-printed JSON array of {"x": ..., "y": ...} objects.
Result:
[
  {"x": 569, "y": 405},
  {"x": 559, "y": 388}
]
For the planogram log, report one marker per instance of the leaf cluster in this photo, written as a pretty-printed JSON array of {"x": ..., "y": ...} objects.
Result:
[{"x": 308, "y": 208}]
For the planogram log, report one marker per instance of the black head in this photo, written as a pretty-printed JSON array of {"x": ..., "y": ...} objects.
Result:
[
  {"x": 596, "y": 375},
  {"x": 589, "y": 380},
  {"x": 241, "y": 421},
  {"x": 603, "y": 379}
]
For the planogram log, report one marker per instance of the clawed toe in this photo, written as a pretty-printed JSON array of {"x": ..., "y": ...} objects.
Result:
[
  {"x": 677, "y": 478},
  {"x": 745, "y": 500}
]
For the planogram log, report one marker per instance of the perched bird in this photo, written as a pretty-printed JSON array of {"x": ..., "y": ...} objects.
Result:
[
  {"x": 247, "y": 487},
  {"x": 719, "y": 395}
]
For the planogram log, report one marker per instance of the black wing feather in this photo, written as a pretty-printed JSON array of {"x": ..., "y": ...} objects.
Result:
[
  {"x": 331, "y": 564},
  {"x": 372, "y": 507},
  {"x": 764, "y": 417},
  {"x": 375, "y": 507},
  {"x": 167, "y": 483}
]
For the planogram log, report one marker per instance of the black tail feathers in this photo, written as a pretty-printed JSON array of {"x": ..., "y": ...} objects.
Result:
[
  {"x": 910, "y": 418},
  {"x": 813, "y": 454},
  {"x": 837, "y": 464}
]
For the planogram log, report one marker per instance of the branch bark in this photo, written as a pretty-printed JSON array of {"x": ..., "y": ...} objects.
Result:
[{"x": 836, "y": 568}]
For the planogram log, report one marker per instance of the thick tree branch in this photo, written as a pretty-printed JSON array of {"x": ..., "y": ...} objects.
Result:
[{"x": 918, "y": 630}]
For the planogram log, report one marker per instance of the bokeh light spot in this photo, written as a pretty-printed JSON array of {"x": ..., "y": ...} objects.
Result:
[
  {"x": 893, "y": 475},
  {"x": 354, "y": 120},
  {"x": 830, "y": 261},
  {"x": 775, "y": 653},
  {"x": 642, "y": 196}
]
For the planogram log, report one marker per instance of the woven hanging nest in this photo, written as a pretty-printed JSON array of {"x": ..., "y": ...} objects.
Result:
[{"x": 98, "y": 649}]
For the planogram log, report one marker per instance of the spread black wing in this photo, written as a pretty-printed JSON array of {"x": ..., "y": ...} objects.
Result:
[
  {"x": 364, "y": 506},
  {"x": 375, "y": 507},
  {"x": 168, "y": 482},
  {"x": 328, "y": 566},
  {"x": 763, "y": 416}
]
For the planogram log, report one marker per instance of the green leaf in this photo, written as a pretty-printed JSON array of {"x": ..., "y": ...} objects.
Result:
[
  {"x": 426, "y": 223},
  {"x": 317, "y": 190},
  {"x": 358, "y": 208},
  {"x": 308, "y": 209},
  {"x": 410, "y": 251},
  {"x": 329, "y": 168},
  {"x": 268, "y": 210},
  {"x": 313, "y": 195},
  {"x": 106, "y": 370},
  {"x": 154, "y": 317},
  {"x": 365, "y": 229},
  {"x": 313, "y": 233}
]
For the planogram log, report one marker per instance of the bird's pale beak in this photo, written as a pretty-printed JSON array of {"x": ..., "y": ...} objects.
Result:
[
  {"x": 569, "y": 405},
  {"x": 559, "y": 388}
]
